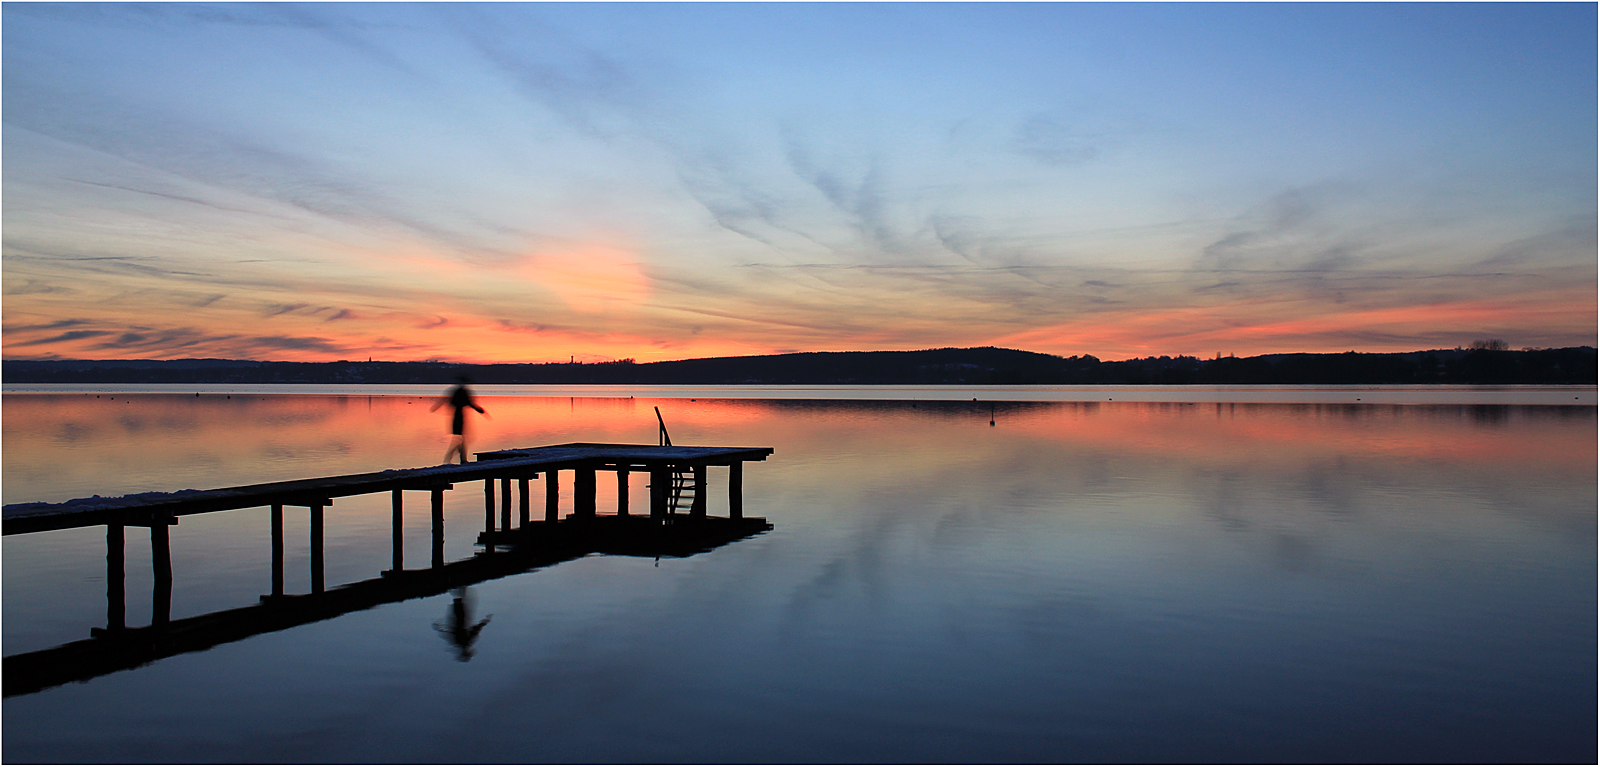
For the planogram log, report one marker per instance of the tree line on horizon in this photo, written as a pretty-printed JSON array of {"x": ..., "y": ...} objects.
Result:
[{"x": 1486, "y": 362}]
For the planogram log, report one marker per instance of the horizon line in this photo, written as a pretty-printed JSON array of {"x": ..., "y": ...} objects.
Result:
[{"x": 630, "y": 360}]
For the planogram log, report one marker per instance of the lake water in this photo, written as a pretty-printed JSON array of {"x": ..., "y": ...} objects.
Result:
[{"x": 1278, "y": 574}]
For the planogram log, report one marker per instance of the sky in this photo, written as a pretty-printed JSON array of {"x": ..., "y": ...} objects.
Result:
[{"x": 512, "y": 182}]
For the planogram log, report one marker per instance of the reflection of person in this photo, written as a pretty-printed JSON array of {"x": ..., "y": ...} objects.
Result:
[
  {"x": 455, "y": 628},
  {"x": 460, "y": 398}
]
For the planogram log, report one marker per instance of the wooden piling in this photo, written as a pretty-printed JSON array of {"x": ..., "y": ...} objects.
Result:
[
  {"x": 438, "y": 527},
  {"x": 398, "y": 553},
  {"x": 660, "y": 491},
  {"x": 161, "y": 565},
  {"x": 505, "y": 503},
  {"x": 277, "y": 549},
  {"x": 583, "y": 491},
  {"x": 488, "y": 504},
  {"x": 523, "y": 502},
  {"x": 316, "y": 548},
  {"x": 116, "y": 574},
  {"x": 622, "y": 491},
  {"x": 697, "y": 507},
  {"x": 736, "y": 490},
  {"x": 552, "y": 494}
]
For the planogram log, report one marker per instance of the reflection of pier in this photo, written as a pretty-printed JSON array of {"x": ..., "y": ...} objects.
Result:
[{"x": 507, "y": 548}]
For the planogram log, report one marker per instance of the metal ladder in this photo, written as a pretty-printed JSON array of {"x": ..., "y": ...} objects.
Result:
[{"x": 682, "y": 494}]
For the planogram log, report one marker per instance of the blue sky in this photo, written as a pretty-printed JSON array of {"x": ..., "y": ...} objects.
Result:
[{"x": 529, "y": 182}]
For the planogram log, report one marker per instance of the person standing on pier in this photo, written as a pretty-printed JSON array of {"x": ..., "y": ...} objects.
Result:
[{"x": 459, "y": 399}]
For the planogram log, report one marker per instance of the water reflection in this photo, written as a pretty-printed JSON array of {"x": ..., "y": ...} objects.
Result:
[
  {"x": 457, "y": 628},
  {"x": 118, "y": 647},
  {"x": 1093, "y": 581},
  {"x": 63, "y": 446}
]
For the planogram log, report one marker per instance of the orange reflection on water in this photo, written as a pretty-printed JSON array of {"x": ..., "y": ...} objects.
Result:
[
  {"x": 58, "y": 447},
  {"x": 1205, "y": 432}
]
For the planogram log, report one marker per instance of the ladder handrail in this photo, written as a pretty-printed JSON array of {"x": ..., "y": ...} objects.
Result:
[
  {"x": 665, "y": 439},
  {"x": 675, "y": 491}
]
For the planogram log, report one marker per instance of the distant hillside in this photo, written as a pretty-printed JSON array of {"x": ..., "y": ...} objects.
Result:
[{"x": 986, "y": 365}]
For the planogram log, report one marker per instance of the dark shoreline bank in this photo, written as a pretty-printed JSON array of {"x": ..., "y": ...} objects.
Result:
[{"x": 978, "y": 366}]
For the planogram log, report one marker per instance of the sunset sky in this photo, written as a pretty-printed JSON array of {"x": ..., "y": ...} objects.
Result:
[{"x": 539, "y": 182}]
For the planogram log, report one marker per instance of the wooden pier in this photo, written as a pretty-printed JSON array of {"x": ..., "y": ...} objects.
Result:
[
  {"x": 676, "y": 525},
  {"x": 581, "y": 458}
]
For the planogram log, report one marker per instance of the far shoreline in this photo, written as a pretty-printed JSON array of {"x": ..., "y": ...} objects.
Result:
[
  {"x": 1486, "y": 363},
  {"x": 944, "y": 394}
]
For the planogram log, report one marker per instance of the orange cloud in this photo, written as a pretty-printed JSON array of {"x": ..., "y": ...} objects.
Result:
[
  {"x": 591, "y": 279},
  {"x": 1266, "y": 327}
]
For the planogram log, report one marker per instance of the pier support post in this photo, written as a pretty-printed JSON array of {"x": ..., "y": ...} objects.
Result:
[
  {"x": 438, "y": 527},
  {"x": 697, "y": 507},
  {"x": 116, "y": 574},
  {"x": 552, "y": 494},
  {"x": 583, "y": 487},
  {"x": 736, "y": 490},
  {"x": 622, "y": 491},
  {"x": 523, "y": 506},
  {"x": 505, "y": 503},
  {"x": 398, "y": 555},
  {"x": 488, "y": 506},
  {"x": 161, "y": 564},
  {"x": 660, "y": 491},
  {"x": 316, "y": 548},
  {"x": 277, "y": 549}
]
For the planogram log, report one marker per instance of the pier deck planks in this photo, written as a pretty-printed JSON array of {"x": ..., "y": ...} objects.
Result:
[{"x": 149, "y": 508}]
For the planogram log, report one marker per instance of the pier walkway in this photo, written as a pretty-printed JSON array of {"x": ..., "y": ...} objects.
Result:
[{"x": 583, "y": 459}]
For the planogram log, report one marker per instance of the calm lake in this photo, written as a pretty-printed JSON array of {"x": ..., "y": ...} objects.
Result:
[{"x": 1006, "y": 574}]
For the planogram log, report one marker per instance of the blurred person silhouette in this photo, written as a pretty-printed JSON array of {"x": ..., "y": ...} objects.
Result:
[
  {"x": 457, "y": 627},
  {"x": 459, "y": 399}
]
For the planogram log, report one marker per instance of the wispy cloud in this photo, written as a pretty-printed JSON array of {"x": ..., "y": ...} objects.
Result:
[
  {"x": 57, "y": 325},
  {"x": 176, "y": 342},
  {"x": 34, "y": 288},
  {"x": 1053, "y": 141},
  {"x": 69, "y": 336},
  {"x": 1578, "y": 236},
  {"x": 273, "y": 310},
  {"x": 322, "y": 180}
]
